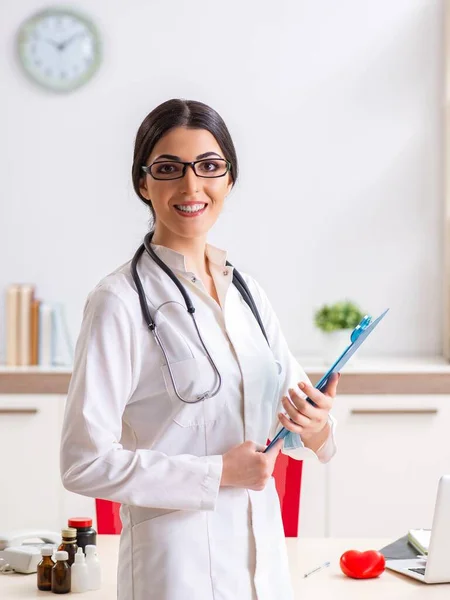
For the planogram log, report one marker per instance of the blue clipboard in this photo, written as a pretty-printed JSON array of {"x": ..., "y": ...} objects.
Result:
[{"x": 357, "y": 337}]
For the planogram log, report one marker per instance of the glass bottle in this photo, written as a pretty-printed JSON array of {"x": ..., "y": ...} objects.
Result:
[
  {"x": 61, "y": 576},
  {"x": 44, "y": 569},
  {"x": 69, "y": 543}
]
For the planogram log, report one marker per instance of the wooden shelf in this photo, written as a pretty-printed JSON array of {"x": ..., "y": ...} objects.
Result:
[
  {"x": 34, "y": 383},
  {"x": 34, "y": 380},
  {"x": 372, "y": 376},
  {"x": 388, "y": 375}
]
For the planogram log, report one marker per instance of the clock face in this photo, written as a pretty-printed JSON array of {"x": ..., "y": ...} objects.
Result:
[{"x": 59, "y": 49}]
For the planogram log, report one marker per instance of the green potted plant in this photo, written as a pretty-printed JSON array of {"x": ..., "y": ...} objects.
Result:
[{"x": 336, "y": 322}]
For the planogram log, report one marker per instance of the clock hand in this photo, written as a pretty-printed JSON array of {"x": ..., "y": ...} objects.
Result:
[
  {"x": 53, "y": 43},
  {"x": 65, "y": 43}
]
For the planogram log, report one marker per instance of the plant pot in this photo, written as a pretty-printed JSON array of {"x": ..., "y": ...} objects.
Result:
[{"x": 333, "y": 345}]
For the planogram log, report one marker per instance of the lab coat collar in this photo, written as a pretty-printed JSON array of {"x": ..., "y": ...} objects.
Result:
[{"x": 177, "y": 262}]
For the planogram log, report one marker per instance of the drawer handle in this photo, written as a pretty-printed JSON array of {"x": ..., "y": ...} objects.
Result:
[
  {"x": 394, "y": 411},
  {"x": 18, "y": 411}
]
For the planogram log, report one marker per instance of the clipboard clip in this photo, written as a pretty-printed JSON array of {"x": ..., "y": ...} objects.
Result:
[{"x": 359, "y": 329}]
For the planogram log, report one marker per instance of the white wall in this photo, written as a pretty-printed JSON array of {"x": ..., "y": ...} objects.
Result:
[{"x": 344, "y": 98}]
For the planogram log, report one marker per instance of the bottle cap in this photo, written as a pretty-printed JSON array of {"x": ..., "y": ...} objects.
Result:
[
  {"x": 46, "y": 550},
  {"x": 80, "y": 522},
  {"x": 90, "y": 549},
  {"x": 61, "y": 555},
  {"x": 79, "y": 556},
  {"x": 69, "y": 532}
]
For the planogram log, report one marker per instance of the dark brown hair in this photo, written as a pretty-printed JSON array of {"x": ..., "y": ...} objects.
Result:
[{"x": 179, "y": 113}]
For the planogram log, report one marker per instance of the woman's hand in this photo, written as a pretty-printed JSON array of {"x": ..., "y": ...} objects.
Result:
[
  {"x": 246, "y": 466},
  {"x": 305, "y": 419}
]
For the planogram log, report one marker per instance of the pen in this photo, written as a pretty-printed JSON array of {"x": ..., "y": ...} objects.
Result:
[{"x": 325, "y": 564}]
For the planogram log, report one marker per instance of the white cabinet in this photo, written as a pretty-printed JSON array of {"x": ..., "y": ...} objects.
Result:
[
  {"x": 29, "y": 437},
  {"x": 383, "y": 480},
  {"x": 31, "y": 492},
  {"x": 392, "y": 449}
]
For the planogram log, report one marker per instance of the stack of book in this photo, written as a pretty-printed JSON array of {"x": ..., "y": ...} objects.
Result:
[
  {"x": 36, "y": 331},
  {"x": 420, "y": 539}
]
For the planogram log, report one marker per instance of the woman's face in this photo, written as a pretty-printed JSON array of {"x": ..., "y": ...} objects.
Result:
[{"x": 168, "y": 195}]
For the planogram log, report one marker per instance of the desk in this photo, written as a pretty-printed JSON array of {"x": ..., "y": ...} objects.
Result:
[{"x": 304, "y": 555}]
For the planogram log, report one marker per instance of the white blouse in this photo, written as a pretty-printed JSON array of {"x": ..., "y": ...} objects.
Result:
[{"x": 127, "y": 437}]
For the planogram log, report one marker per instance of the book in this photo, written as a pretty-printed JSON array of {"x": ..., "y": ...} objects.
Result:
[
  {"x": 34, "y": 331},
  {"x": 63, "y": 351},
  {"x": 26, "y": 293},
  {"x": 420, "y": 539},
  {"x": 12, "y": 325},
  {"x": 45, "y": 351}
]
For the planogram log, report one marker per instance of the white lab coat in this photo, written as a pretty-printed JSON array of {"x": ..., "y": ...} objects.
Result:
[{"x": 126, "y": 436}]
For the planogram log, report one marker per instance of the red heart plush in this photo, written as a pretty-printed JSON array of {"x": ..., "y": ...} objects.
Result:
[{"x": 362, "y": 565}]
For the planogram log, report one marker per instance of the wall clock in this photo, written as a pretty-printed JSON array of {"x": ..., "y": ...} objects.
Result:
[{"x": 59, "y": 49}]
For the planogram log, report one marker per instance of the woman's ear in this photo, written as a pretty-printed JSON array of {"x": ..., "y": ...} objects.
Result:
[
  {"x": 230, "y": 184},
  {"x": 143, "y": 187}
]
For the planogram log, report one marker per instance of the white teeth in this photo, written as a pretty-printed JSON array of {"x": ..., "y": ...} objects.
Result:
[{"x": 190, "y": 208}]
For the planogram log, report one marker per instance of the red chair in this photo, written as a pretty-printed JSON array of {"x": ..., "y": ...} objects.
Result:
[
  {"x": 108, "y": 518},
  {"x": 288, "y": 477},
  {"x": 288, "y": 480}
]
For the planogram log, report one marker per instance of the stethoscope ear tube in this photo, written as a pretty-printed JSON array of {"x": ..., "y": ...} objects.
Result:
[
  {"x": 240, "y": 284},
  {"x": 140, "y": 290},
  {"x": 165, "y": 268}
]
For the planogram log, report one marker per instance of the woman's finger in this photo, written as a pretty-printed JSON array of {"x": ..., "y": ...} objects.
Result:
[
  {"x": 286, "y": 422},
  {"x": 322, "y": 400},
  {"x": 295, "y": 413},
  {"x": 301, "y": 405},
  {"x": 332, "y": 383}
]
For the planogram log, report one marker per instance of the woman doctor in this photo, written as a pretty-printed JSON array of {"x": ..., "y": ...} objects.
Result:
[{"x": 200, "y": 513}]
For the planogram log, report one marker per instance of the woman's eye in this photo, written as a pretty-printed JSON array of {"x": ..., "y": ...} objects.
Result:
[
  {"x": 208, "y": 166},
  {"x": 167, "y": 168}
]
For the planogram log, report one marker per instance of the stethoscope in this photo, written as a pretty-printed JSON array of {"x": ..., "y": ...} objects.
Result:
[{"x": 238, "y": 281}]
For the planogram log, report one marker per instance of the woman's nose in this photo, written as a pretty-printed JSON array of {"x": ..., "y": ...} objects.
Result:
[{"x": 190, "y": 181}]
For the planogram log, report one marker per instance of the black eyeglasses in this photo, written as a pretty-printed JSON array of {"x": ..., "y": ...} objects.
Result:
[{"x": 174, "y": 169}]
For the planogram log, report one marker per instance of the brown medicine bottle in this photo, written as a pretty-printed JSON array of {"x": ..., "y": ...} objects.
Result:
[
  {"x": 69, "y": 543},
  {"x": 61, "y": 576},
  {"x": 44, "y": 569}
]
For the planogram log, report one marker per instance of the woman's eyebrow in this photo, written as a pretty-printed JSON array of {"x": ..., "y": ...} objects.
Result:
[{"x": 199, "y": 157}]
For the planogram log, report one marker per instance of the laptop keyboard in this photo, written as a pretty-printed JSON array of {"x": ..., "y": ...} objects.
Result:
[{"x": 420, "y": 571}]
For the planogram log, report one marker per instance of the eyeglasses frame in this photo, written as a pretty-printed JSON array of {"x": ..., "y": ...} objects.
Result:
[{"x": 186, "y": 164}]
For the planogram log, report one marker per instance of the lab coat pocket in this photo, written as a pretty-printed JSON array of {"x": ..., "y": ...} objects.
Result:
[{"x": 193, "y": 378}]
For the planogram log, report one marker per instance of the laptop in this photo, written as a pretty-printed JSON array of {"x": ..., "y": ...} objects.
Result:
[{"x": 434, "y": 568}]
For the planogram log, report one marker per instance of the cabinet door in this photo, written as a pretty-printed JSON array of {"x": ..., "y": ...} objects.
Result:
[
  {"x": 392, "y": 451},
  {"x": 29, "y": 441},
  {"x": 313, "y": 500}
]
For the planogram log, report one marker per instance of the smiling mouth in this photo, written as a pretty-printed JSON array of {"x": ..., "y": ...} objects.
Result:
[{"x": 190, "y": 210}]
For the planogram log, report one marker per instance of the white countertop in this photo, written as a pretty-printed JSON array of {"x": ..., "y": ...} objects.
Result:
[{"x": 304, "y": 555}]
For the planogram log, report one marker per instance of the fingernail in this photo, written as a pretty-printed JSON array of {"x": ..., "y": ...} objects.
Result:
[{"x": 302, "y": 385}]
